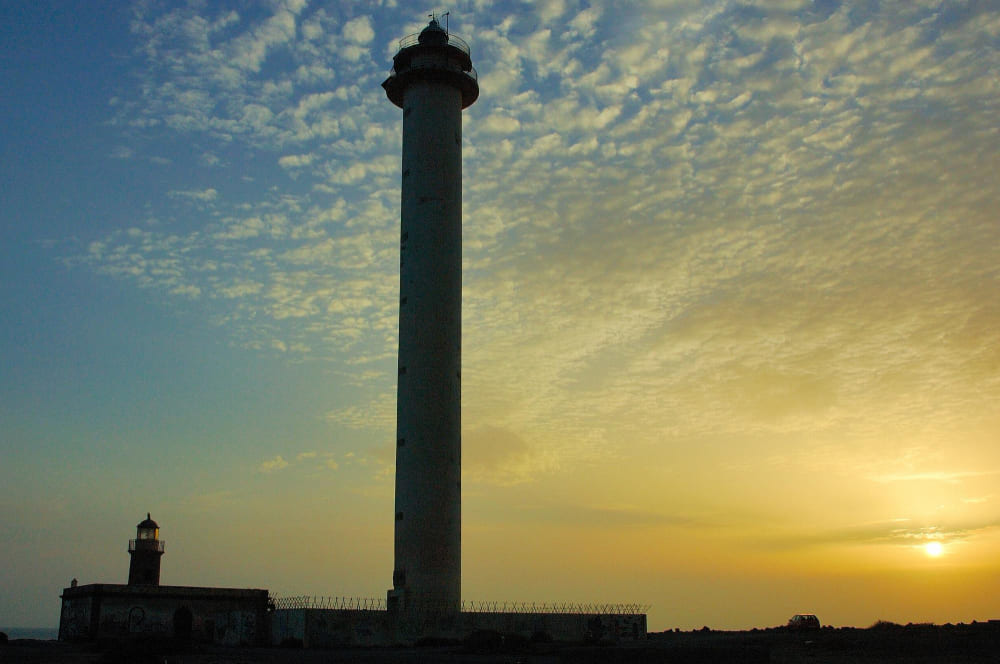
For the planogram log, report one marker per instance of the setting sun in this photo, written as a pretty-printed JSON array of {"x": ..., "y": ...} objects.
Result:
[{"x": 933, "y": 549}]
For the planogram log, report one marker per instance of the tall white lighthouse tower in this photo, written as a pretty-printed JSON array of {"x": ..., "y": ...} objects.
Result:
[{"x": 432, "y": 80}]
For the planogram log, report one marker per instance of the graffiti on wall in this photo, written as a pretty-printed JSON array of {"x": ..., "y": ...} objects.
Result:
[
  {"x": 75, "y": 619},
  {"x": 136, "y": 616}
]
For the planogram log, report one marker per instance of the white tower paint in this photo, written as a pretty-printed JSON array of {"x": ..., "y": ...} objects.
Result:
[{"x": 432, "y": 81}]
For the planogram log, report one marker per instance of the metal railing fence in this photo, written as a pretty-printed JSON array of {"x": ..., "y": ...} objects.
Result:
[
  {"x": 453, "y": 40},
  {"x": 146, "y": 545},
  {"x": 468, "y": 606},
  {"x": 555, "y": 607},
  {"x": 339, "y": 603}
]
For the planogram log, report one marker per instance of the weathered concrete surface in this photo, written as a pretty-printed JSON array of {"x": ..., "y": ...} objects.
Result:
[
  {"x": 432, "y": 82},
  {"x": 330, "y": 628},
  {"x": 566, "y": 627}
]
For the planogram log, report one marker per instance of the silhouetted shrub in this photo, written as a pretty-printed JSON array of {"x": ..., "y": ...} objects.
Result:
[
  {"x": 514, "y": 642},
  {"x": 483, "y": 640},
  {"x": 541, "y": 637},
  {"x": 435, "y": 642},
  {"x": 290, "y": 642},
  {"x": 803, "y": 622},
  {"x": 151, "y": 650},
  {"x": 491, "y": 641},
  {"x": 885, "y": 624}
]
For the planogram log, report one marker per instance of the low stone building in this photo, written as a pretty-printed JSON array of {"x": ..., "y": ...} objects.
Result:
[
  {"x": 142, "y": 607},
  {"x": 232, "y": 616}
]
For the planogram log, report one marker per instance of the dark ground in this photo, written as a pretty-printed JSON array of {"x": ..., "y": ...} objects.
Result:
[{"x": 919, "y": 644}]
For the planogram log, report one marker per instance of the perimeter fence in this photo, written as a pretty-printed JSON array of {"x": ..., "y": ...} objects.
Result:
[
  {"x": 533, "y": 607},
  {"x": 340, "y": 603},
  {"x": 468, "y": 606}
]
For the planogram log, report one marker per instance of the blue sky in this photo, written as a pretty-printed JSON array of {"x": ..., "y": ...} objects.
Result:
[{"x": 731, "y": 314}]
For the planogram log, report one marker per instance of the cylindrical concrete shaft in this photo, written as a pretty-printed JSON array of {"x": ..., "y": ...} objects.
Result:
[{"x": 428, "y": 412}]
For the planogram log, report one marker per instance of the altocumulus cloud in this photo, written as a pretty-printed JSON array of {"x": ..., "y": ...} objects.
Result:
[
  {"x": 681, "y": 220},
  {"x": 271, "y": 465}
]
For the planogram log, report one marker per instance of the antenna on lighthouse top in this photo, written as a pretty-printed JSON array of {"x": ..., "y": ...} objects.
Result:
[{"x": 434, "y": 17}]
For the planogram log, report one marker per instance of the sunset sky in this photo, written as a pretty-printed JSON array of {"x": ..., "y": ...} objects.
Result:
[{"x": 731, "y": 302}]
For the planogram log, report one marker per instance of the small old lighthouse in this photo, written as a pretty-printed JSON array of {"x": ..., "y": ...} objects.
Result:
[
  {"x": 145, "y": 552},
  {"x": 432, "y": 80}
]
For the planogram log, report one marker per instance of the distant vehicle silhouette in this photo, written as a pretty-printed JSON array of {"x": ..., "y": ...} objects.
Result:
[{"x": 803, "y": 621}]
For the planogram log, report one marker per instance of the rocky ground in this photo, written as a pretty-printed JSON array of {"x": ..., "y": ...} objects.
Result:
[{"x": 918, "y": 644}]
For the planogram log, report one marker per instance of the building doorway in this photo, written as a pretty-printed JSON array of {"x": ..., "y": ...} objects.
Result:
[{"x": 182, "y": 623}]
